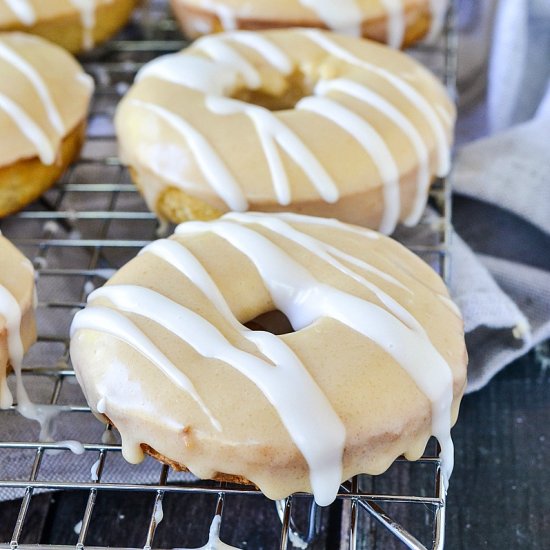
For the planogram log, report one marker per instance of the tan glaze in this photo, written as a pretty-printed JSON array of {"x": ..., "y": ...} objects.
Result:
[
  {"x": 17, "y": 277},
  {"x": 24, "y": 175},
  {"x": 194, "y": 19},
  {"x": 152, "y": 148},
  {"x": 61, "y": 22},
  {"x": 384, "y": 413}
]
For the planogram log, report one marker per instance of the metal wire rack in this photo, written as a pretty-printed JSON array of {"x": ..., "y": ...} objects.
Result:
[{"x": 89, "y": 225}]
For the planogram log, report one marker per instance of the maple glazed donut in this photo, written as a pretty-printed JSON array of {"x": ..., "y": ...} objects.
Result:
[
  {"x": 76, "y": 25},
  {"x": 373, "y": 364},
  {"x": 17, "y": 323},
  {"x": 287, "y": 120},
  {"x": 398, "y": 23},
  {"x": 44, "y": 98}
]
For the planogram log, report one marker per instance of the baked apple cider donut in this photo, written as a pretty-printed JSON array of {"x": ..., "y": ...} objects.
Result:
[
  {"x": 399, "y": 23},
  {"x": 372, "y": 364},
  {"x": 44, "y": 98},
  {"x": 307, "y": 121},
  {"x": 17, "y": 323},
  {"x": 76, "y": 25}
]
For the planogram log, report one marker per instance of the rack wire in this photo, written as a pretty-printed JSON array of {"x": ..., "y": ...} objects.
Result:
[{"x": 90, "y": 224}]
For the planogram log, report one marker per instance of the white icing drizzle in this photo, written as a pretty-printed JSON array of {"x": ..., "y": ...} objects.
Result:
[
  {"x": 158, "y": 512},
  {"x": 192, "y": 71},
  {"x": 222, "y": 52},
  {"x": 362, "y": 93},
  {"x": 103, "y": 319},
  {"x": 87, "y": 18},
  {"x": 212, "y": 166},
  {"x": 344, "y": 16},
  {"x": 94, "y": 470},
  {"x": 303, "y": 299},
  {"x": 288, "y": 386},
  {"x": 266, "y": 48},
  {"x": 396, "y": 22},
  {"x": 406, "y": 89},
  {"x": 214, "y": 542},
  {"x": 272, "y": 132},
  {"x": 23, "y": 11},
  {"x": 374, "y": 146},
  {"x": 226, "y": 14},
  {"x": 29, "y": 128},
  {"x": 19, "y": 62},
  {"x": 438, "y": 10}
]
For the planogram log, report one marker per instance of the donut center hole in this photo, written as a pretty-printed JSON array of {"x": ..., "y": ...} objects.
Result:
[
  {"x": 280, "y": 95},
  {"x": 275, "y": 322}
]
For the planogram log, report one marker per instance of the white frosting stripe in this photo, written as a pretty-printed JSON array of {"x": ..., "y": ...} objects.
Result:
[
  {"x": 88, "y": 20},
  {"x": 362, "y": 93},
  {"x": 272, "y": 132},
  {"x": 396, "y": 22},
  {"x": 438, "y": 10},
  {"x": 23, "y": 10},
  {"x": 303, "y": 300},
  {"x": 28, "y": 127},
  {"x": 195, "y": 72},
  {"x": 406, "y": 89},
  {"x": 103, "y": 319},
  {"x": 288, "y": 386},
  {"x": 212, "y": 166},
  {"x": 220, "y": 51},
  {"x": 344, "y": 16},
  {"x": 9, "y": 55},
  {"x": 266, "y": 48},
  {"x": 374, "y": 146}
]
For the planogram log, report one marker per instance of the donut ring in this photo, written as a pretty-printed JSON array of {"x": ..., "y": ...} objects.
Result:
[
  {"x": 44, "y": 98},
  {"x": 399, "y": 23},
  {"x": 17, "y": 323},
  {"x": 377, "y": 362},
  {"x": 76, "y": 25},
  {"x": 298, "y": 120}
]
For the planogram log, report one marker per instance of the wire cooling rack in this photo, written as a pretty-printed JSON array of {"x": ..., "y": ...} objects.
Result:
[{"x": 86, "y": 227}]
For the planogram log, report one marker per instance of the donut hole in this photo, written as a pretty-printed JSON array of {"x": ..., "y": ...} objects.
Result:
[
  {"x": 274, "y": 321},
  {"x": 279, "y": 94}
]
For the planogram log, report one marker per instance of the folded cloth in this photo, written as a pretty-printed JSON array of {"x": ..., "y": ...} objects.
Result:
[{"x": 502, "y": 284}]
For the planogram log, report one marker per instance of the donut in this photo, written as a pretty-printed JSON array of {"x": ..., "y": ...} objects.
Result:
[
  {"x": 76, "y": 25},
  {"x": 399, "y": 23},
  {"x": 44, "y": 98},
  {"x": 17, "y": 323},
  {"x": 287, "y": 120},
  {"x": 371, "y": 363}
]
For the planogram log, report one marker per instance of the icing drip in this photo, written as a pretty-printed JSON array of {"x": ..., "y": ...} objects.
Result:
[
  {"x": 408, "y": 91},
  {"x": 288, "y": 386},
  {"x": 10, "y": 56},
  {"x": 396, "y": 22},
  {"x": 212, "y": 166},
  {"x": 362, "y": 93},
  {"x": 438, "y": 12},
  {"x": 29, "y": 129},
  {"x": 87, "y": 18},
  {"x": 303, "y": 299},
  {"x": 103, "y": 319},
  {"x": 344, "y": 16},
  {"x": 272, "y": 132},
  {"x": 94, "y": 470},
  {"x": 214, "y": 542},
  {"x": 374, "y": 146},
  {"x": 23, "y": 11}
]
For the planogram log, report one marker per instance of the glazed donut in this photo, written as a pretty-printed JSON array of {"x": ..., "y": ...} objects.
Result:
[
  {"x": 44, "y": 98},
  {"x": 399, "y": 23},
  {"x": 372, "y": 363},
  {"x": 300, "y": 120},
  {"x": 76, "y": 25},
  {"x": 17, "y": 324}
]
